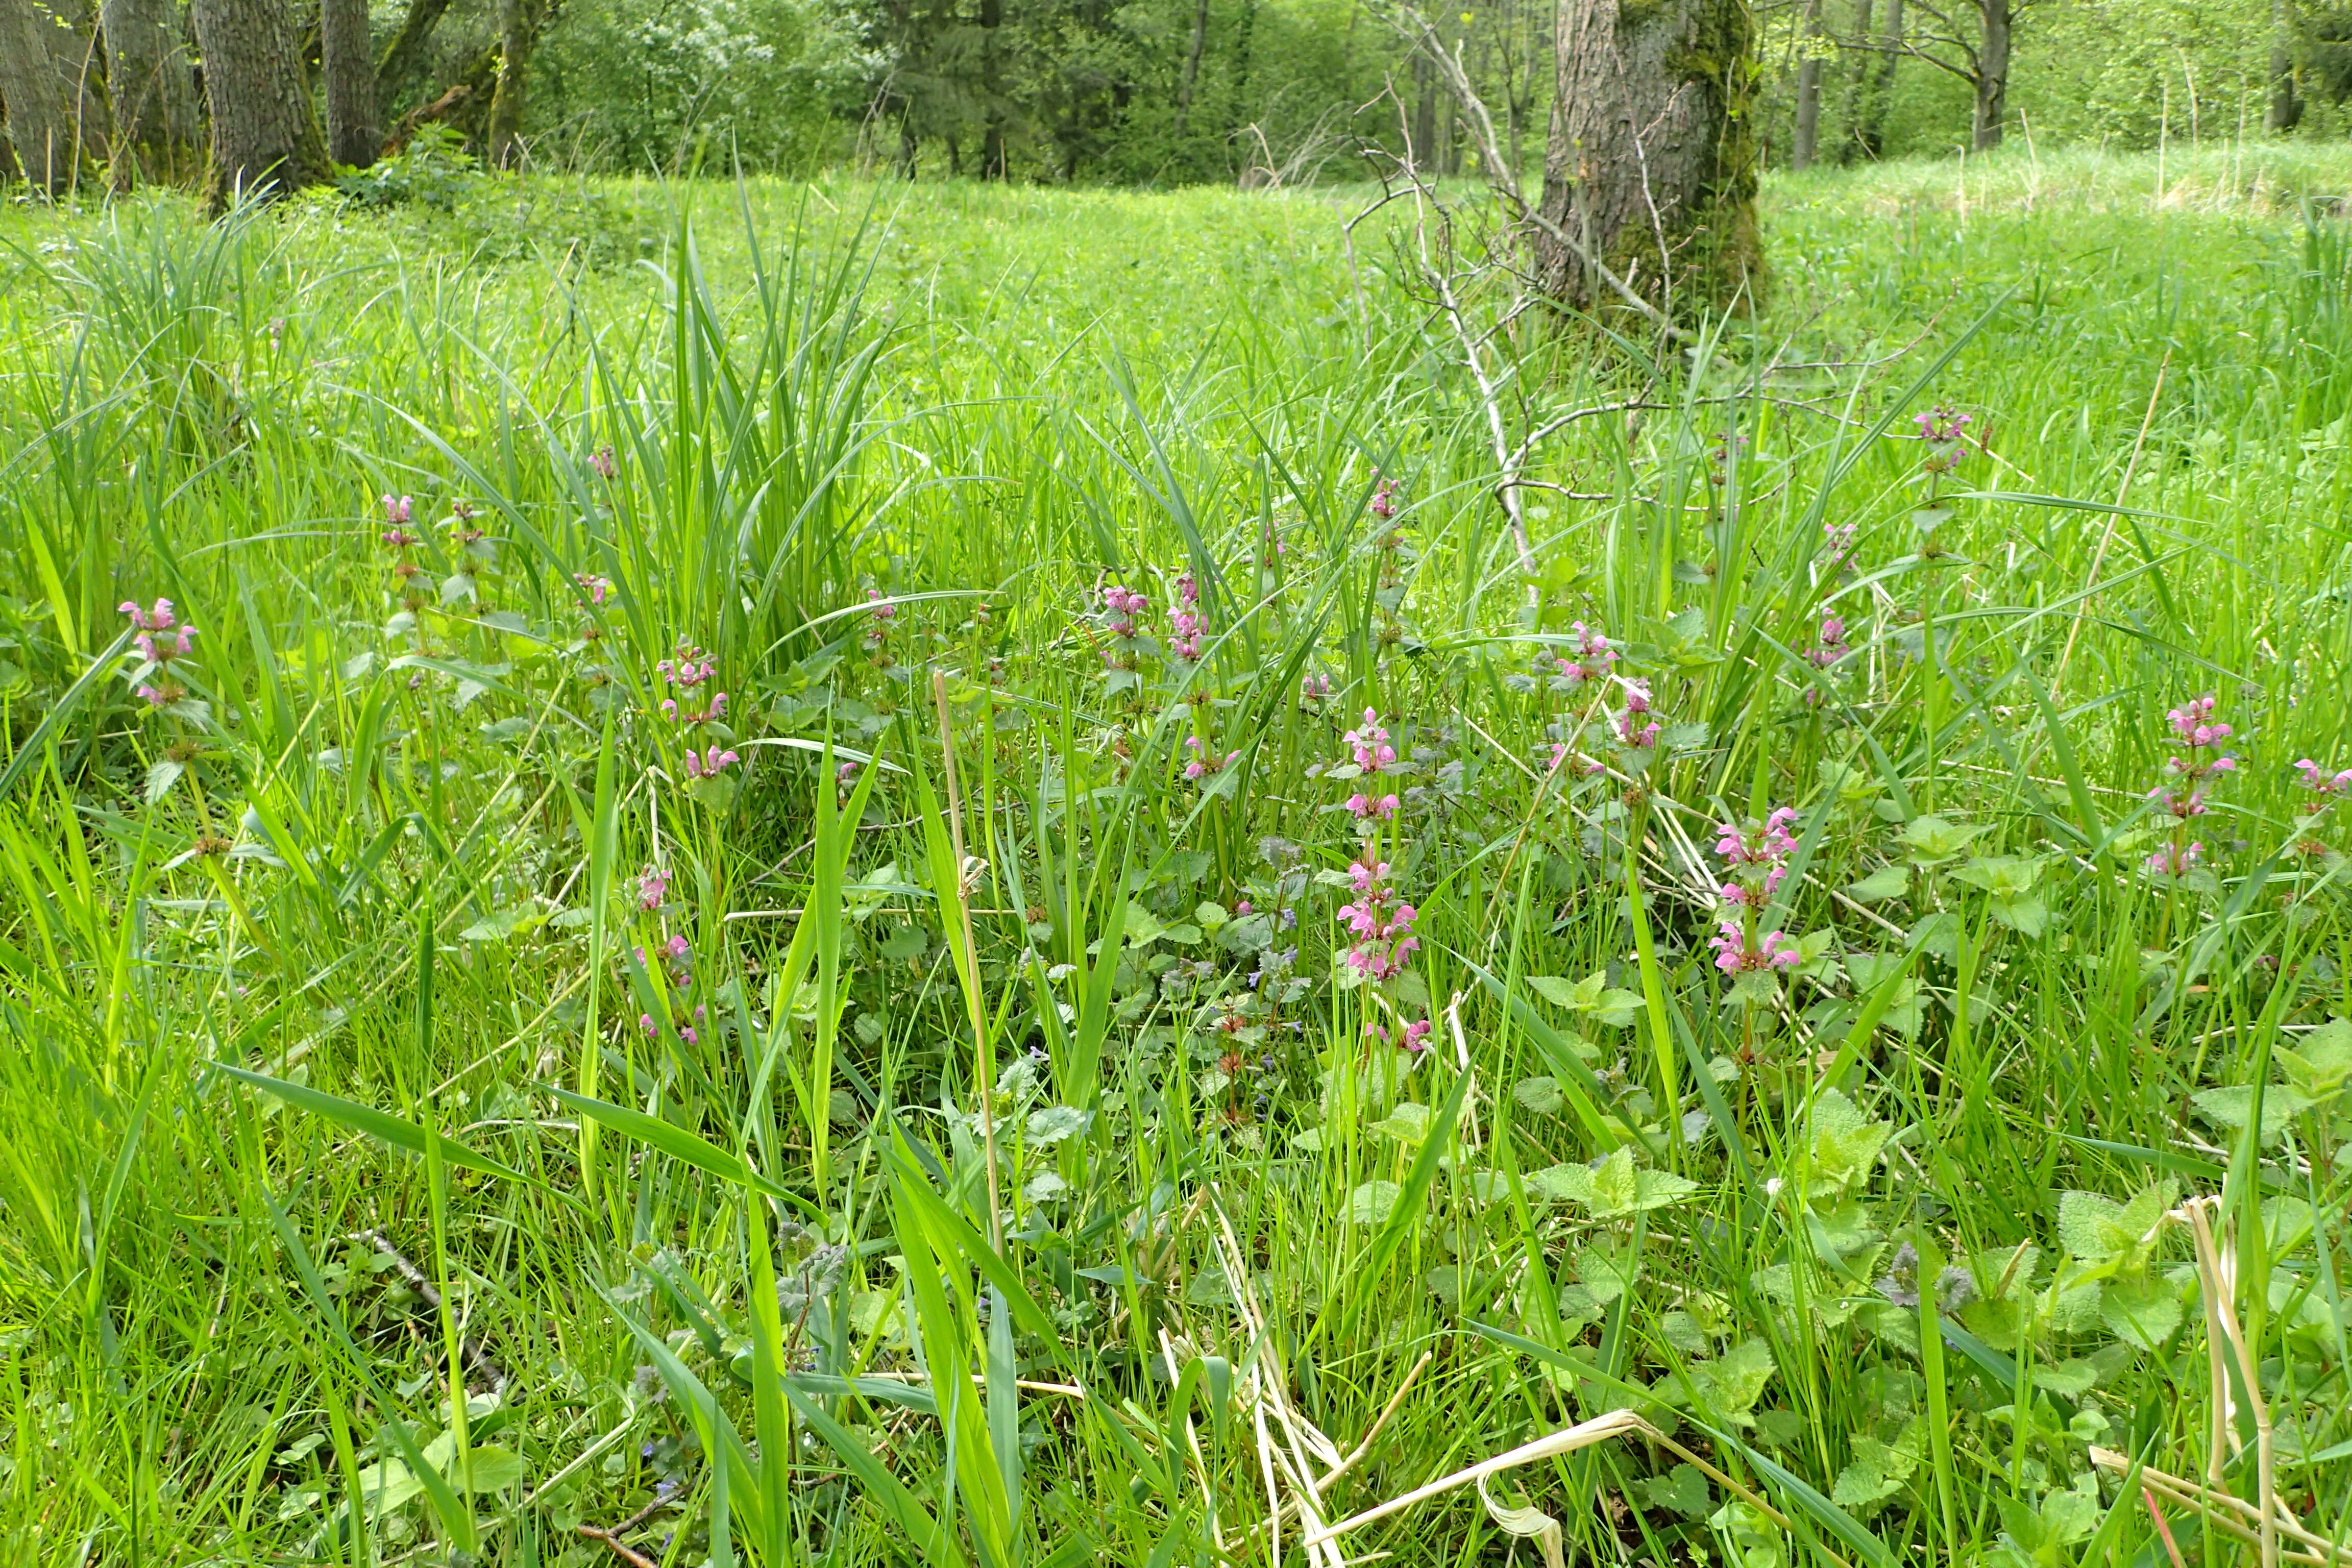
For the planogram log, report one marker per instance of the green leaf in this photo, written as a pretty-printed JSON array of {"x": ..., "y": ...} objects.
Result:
[
  {"x": 1933, "y": 840},
  {"x": 1612, "y": 1187},
  {"x": 1886, "y": 882},
  {"x": 2230, "y": 1108},
  {"x": 381, "y": 1125},
  {"x": 1372, "y": 1203},
  {"x": 687, "y": 1148}
]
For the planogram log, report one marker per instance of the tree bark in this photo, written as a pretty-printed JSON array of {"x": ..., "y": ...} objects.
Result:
[
  {"x": 993, "y": 161},
  {"x": 347, "y": 67},
  {"x": 152, "y": 79},
  {"x": 1192, "y": 78},
  {"x": 1805, "y": 139},
  {"x": 1881, "y": 90},
  {"x": 518, "y": 36},
  {"x": 1992, "y": 74},
  {"x": 40, "y": 98},
  {"x": 1857, "y": 82},
  {"x": 2285, "y": 111},
  {"x": 265, "y": 135},
  {"x": 1650, "y": 174}
]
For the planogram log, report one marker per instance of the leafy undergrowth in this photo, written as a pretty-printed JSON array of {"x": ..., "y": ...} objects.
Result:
[{"x": 827, "y": 902}]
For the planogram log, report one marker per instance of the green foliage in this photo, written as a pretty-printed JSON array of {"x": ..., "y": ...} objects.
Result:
[{"x": 440, "y": 1121}]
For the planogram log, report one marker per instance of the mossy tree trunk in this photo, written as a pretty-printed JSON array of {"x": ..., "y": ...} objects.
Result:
[
  {"x": 1649, "y": 178},
  {"x": 1805, "y": 142},
  {"x": 265, "y": 133},
  {"x": 150, "y": 76},
  {"x": 1992, "y": 72},
  {"x": 40, "y": 98},
  {"x": 347, "y": 67}
]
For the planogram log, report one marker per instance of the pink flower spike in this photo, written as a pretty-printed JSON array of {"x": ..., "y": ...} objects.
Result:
[
  {"x": 678, "y": 946},
  {"x": 1416, "y": 1034},
  {"x": 396, "y": 509},
  {"x": 653, "y": 887}
]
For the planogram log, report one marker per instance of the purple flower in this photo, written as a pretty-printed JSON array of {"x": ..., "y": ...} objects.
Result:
[
  {"x": 601, "y": 461},
  {"x": 2175, "y": 861},
  {"x": 1943, "y": 424},
  {"x": 2318, "y": 779},
  {"x": 1381, "y": 925},
  {"x": 1733, "y": 955},
  {"x": 154, "y": 648},
  {"x": 396, "y": 509},
  {"x": 653, "y": 887},
  {"x": 1837, "y": 544},
  {"x": 596, "y": 588},
  {"x": 1384, "y": 500},
  {"x": 710, "y": 764},
  {"x": 1830, "y": 645},
  {"x": 1371, "y": 744},
  {"x": 1314, "y": 687}
]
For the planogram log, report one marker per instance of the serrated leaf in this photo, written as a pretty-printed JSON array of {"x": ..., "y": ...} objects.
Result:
[
  {"x": 2230, "y": 1108},
  {"x": 1886, "y": 882},
  {"x": 1540, "y": 1094},
  {"x": 1371, "y": 1203},
  {"x": 1933, "y": 840},
  {"x": 1052, "y": 1124}
]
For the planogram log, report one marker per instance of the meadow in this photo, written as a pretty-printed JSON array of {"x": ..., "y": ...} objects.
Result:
[{"x": 857, "y": 873}]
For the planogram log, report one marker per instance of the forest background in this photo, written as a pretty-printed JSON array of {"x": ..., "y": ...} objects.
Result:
[{"x": 1146, "y": 93}]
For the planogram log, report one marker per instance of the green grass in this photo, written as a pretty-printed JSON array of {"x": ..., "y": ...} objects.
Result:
[{"x": 349, "y": 1214}]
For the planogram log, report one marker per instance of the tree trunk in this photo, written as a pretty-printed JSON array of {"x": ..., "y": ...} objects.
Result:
[
  {"x": 1650, "y": 172},
  {"x": 1805, "y": 140},
  {"x": 406, "y": 54},
  {"x": 40, "y": 98},
  {"x": 265, "y": 136},
  {"x": 1192, "y": 78},
  {"x": 1881, "y": 91},
  {"x": 1992, "y": 74},
  {"x": 1857, "y": 82},
  {"x": 518, "y": 35},
  {"x": 347, "y": 67},
  {"x": 1424, "y": 113},
  {"x": 2286, "y": 111},
  {"x": 993, "y": 158},
  {"x": 152, "y": 79}
]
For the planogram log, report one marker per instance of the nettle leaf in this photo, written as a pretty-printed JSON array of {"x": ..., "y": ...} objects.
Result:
[
  {"x": 1933, "y": 840},
  {"x": 1372, "y": 1203},
  {"x": 2319, "y": 1068},
  {"x": 1846, "y": 1144},
  {"x": 1879, "y": 1469},
  {"x": 1886, "y": 882},
  {"x": 2143, "y": 1312},
  {"x": 2231, "y": 1107},
  {"x": 504, "y": 924},
  {"x": 2029, "y": 916},
  {"x": 1607, "y": 1272},
  {"x": 1577, "y": 995},
  {"x": 2107, "y": 1236},
  {"x": 1682, "y": 1489},
  {"x": 1054, "y": 1123},
  {"x": 1612, "y": 1187},
  {"x": 1729, "y": 1385},
  {"x": 160, "y": 776},
  {"x": 1408, "y": 1123},
  {"x": 2002, "y": 876},
  {"x": 1540, "y": 1095}
]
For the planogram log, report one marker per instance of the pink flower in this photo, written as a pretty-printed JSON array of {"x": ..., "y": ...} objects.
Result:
[
  {"x": 1242, "y": 908},
  {"x": 1382, "y": 927},
  {"x": 2172, "y": 860},
  {"x": 156, "y": 696},
  {"x": 398, "y": 538},
  {"x": 1733, "y": 954},
  {"x": 1373, "y": 808},
  {"x": 678, "y": 947},
  {"x": 596, "y": 588},
  {"x": 691, "y": 669},
  {"x": 710, "y": 764},
  {"x": 653, "y": 887},
  {"x": 1371, "y": 744},
  {"x": 396, "y": 509},
  {"x": 2179, "y": 804},
  {"x": 2316, "y": 778},
  {"x": 1830, "y": 645},
  {"x": 1416, "y": 1034},
  {"x": 1944, "y": 423},
  {"x": 1122, "y": 607},
  {"x": 601, "y": 461},
  {"x": 1186, "y": 628},
  {"x": 158, "y": 619},
  {"x": 1837, "y": 544},
  {"x": 1384, "y": 500},
  {"x": 1315, "y": 688}
]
